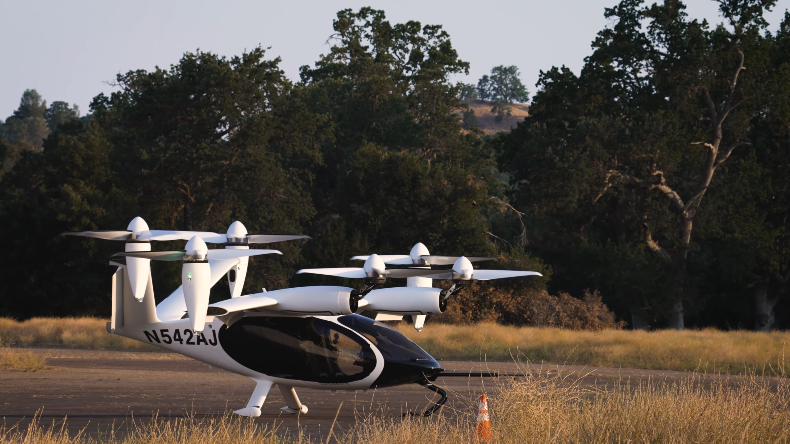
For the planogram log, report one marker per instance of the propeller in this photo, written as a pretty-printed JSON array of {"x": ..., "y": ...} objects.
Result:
[
  {"x": 138, "y": 231},
  {"x": 237, "y": 235},
  {"x": 420, "y": 256},
  {"x": 374, "y": 271},
  {"x": 464, "y": 271},
  {"x": 138, "y": 238},
  {"x": 195, "y": 273},
  {"x": 238, "y": 239}
]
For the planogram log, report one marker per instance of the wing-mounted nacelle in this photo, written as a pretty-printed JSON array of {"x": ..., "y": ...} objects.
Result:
[
  {"x": 405, "y": 301},
  {"x": 302, "y": 301},
  {"x": 374, "y": 273}
]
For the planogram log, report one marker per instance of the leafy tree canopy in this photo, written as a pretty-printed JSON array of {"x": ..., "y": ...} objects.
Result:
[{"x": 503, "y": 85}]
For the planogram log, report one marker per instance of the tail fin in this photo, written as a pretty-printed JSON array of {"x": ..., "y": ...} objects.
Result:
[{"x": 126, "y": 310}]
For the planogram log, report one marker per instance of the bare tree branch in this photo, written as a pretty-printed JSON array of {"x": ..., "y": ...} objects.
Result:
[
  {"x": 711, "y": 147},
  {"x": 733, "y": 82},
  {"x": 184, "y": 189},
  {"x": 522, "y": 237},
  {"x": 653, "y": 245},
  {"x": 661, "y": 186},
  {"x": 714, "y": 116},
  {"x": 727, "y": 151},
  {"x": 725, "y": 112},
  {"x": 605, "y": 188}
]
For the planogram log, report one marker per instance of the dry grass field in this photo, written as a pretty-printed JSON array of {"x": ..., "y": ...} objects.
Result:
[
  {"x": 691, "y": 350},
  {"x": 707, "y": 350},
  {"x": 536, "y": 409},
  {"x": 82, "y": 333}
]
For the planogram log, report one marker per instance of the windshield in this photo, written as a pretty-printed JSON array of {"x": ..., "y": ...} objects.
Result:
[
  {"x": 307, "y": 349},
  {"x": 393, "y": 345}
]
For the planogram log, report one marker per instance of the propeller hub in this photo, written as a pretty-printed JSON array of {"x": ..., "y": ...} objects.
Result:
[
  {"x": 196, "y": 250},
  {"x": 237, "y": 234},
  {"x": 237, "y": 229},
  {"x": 463, "y": 269},
  {"x": 237, "y": 241},
  {"x": 416, "y": 253},
  {"x": 374, "y": 267},
  {"x": 137, "y": 225}
]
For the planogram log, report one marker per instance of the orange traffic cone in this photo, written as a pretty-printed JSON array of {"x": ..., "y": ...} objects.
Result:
[{"x": 483, "y": 424}]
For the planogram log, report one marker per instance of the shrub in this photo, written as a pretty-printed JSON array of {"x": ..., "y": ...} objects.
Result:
[{"x": 529, "y": 307}]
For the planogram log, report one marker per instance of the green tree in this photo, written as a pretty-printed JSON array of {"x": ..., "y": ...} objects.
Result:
[
  {"x": 26, "y": 129},
  {"x": 398, "y": 167},
  {"x": 503, "y": 85},
  {"x": 626, "y": 152},
  {"x": 210, "y": 141},
  {"x": 59, "y": 113},
  {"x": 65, "y": 187},
  {"x": 468, "y": 92},
  {"x": 470, "y": 119}
]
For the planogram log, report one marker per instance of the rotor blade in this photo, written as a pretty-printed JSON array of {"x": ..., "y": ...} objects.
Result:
[
  {"x": 218, "y": 239},
  {"x": 100, "y": 234},
  {"x": 154, "y": 255},
  {"x": 387, "y": 258},
  {"x": 218, "y": 254},
  {"x": 349, "y": 272},
  {"x": 450, "y": 260},
  {"x": 413, "y": 272},
  {"x": 272, "y": 238},
  {"x": 443, "y": 276},
  {"x": 484, "y": 275},
  {"x": 167, "y": 235},
  {"x": 404, "y": 260}
]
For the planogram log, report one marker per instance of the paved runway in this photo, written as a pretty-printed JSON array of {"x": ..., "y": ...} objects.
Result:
[{"x": 105, "y": 389}]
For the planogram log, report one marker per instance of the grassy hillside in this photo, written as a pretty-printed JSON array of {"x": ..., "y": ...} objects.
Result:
[{"x": 487, "y": 121}]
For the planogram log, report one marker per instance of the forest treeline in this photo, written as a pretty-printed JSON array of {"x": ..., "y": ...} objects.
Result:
[{"x": 656, "y": 178}]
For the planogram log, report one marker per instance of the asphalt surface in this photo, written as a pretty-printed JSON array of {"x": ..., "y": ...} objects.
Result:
[{"x": 102, "y": 390}]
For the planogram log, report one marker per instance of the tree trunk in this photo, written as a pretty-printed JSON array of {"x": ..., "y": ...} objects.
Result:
[
  {"x": 763, "y": 309},
  {"x": 676, "y": 317},
  {"x": 676, "y": 320},
  {"x": 637, "y": 320}
]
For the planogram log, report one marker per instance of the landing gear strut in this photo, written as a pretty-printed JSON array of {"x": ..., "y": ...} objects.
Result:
[{"x": 432, "y": 409}]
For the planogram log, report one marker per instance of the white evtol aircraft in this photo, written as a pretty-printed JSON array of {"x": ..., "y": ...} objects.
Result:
[{"x": 295, "y": 337}]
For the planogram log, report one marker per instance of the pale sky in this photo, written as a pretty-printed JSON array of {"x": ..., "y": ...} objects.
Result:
[{"x": 68, "y": 50}]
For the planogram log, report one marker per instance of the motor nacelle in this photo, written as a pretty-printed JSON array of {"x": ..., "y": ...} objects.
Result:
[
  {"x": 405, "y": 301},
  {"x": 312, "y": 301}
]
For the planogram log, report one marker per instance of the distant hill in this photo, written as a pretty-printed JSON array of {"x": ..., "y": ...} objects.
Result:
[{"x": 487, "y": 121}]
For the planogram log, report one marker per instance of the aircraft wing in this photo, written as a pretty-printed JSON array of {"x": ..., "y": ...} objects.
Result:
[{"x": 248, "y": 302}]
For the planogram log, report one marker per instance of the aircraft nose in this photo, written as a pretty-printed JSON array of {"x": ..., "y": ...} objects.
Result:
[{"x": 397, "y": 372}]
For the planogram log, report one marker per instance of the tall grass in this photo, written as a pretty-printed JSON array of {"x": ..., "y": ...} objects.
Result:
[
  {"x": 218, "y": 430},
  {"x": 705, "y": 350},
  {"x": 21, "y": 360},
  {"x": 537, "y": 409},
  {"x": 82, "y": 333},
  {"x": 553, "y": 410}
]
